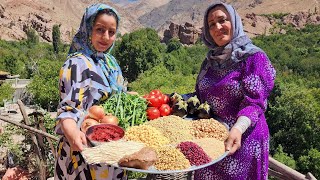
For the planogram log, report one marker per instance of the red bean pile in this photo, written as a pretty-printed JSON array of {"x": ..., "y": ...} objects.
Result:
[
  {"x": 105, "y": 134},
  {"x": 194, "y": 153}
]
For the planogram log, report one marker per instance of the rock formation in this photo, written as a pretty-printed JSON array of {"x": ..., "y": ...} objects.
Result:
[
  {"x": 254, "y": 25},
  {"x": 187, "y": 33}
]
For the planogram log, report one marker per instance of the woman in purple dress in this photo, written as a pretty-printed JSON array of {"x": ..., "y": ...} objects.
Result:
[{"x": 236, "y": 79}]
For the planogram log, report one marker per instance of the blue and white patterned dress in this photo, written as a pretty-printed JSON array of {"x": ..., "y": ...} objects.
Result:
[{"x": 86, "y": 78}]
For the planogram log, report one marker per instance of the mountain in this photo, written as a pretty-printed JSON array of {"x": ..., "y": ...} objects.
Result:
[{"x": 17, "y": 15}]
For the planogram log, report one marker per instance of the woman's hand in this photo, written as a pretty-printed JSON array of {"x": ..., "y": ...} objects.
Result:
[
  {"x": 233, "y": 143},
  {"x": 76, "y": 138}
]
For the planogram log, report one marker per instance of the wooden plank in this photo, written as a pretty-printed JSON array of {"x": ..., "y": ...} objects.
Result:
[
  {"x": 277, "y": 175},
  {"x": 310, "y": 176},
  {"x": 33, "y": 130},
  {"x": 41, "y": 160},
  {"x": 40, "y": 118},
  {"x": 285, "y": 170}
]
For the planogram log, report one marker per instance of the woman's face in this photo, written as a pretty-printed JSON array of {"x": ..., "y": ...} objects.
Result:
[
  {"x": 103, "y": 32},
  {"x": 219, "y": 23}
]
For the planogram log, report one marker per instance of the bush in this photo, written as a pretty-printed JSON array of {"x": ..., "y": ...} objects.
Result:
[{"x": 6, "y": 93}]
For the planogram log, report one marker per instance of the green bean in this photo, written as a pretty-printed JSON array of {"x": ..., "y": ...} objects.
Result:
[{"x": 130, "y": 109}]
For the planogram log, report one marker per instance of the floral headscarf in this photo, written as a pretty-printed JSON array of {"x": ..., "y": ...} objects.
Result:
[{"x": 81, "y": 43}]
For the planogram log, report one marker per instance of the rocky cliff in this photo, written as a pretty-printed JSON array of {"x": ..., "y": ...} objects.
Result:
[{"x": 171, "y": 18}]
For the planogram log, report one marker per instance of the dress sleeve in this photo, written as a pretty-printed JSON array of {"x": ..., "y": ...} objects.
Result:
[
  {"x": 257, "y": 82},
  {"x": 74, "y": 89}
]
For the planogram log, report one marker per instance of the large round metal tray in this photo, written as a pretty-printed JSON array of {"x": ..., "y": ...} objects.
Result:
[{"x": 152, "y": 170}]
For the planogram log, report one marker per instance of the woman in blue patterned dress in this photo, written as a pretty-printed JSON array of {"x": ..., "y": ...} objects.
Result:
[
  {"x": 236, "y": 79},
  {"x": 89, "y": 75}
]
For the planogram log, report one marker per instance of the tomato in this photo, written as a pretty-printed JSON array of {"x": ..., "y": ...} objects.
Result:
[
  {"x": 153, "y": 113},
  {"x": 161, "y": 99},
  {"x": 156, "y": 92},
  {"x": 165, "y": 99},
  {"x": 154, "y": 101},
  {"x": 165, "y": 110}
]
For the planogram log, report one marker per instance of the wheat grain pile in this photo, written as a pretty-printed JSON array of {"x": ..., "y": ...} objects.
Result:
[{"x": 213, "y": 147}]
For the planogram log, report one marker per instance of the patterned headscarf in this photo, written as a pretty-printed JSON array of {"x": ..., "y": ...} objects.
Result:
[
  {"x": 236, "y": 50},
  {"x": 81, "y": 43},
  {"x": 82, "y": 40}
]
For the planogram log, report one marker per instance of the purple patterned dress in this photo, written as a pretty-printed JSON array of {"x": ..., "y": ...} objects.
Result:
[{"x": 241, "y": 89}]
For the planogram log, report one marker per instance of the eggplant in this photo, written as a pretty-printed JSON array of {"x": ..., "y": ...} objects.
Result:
[
  {"x": 180, "y": 109},
  {"x": 204, "y": 111},
  {"x": 193, "y": 104},
  {"x": 174, "y": 98}
]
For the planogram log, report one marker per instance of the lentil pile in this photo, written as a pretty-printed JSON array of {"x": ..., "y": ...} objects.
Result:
[
  {"x": 209, "y": 128},
  {"x": 213, "y": 147},
  {"x": 173, "y": 127},
  {"x": 170, "y": 158},
  {"x": 194, "y": 153},
  {"x": 146, "y": 134}
]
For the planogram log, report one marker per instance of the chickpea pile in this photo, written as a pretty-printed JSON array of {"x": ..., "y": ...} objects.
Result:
[
  {"x": 209, "y": 128},
  {"x": 146, "y": 134}
]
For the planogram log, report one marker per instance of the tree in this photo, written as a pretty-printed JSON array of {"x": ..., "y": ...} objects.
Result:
[
  {"x": 311, "y": 162},
  {"x": 6, "y": 92},
  {"x": 44, "y": 84},
  {"x": 32, "y": 37},
  {"x": 11, "y": 63},
  {"x": 284, "y": 157},
  {"x": 173, "y": 44},
  {"x": 56, "y": 42},
  {"x": 138, "y": 52},
  {"x": 161, "y": 78},
  {"x": 293, "y": 119}
]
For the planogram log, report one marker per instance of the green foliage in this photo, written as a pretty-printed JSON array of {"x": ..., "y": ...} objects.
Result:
[
  {"x": 12, "y": 63},
  {"x": 173, "y": 44},
  {"x": 161, "y": 78},
  {"x": 186, "y": 60},
  {"x": 23, "y": 59},
  {"x": 17, "y": 149},
  {"x": 56, "y": 42},
  {"x": 275, "y": 15},
  {"x": 297, "y": 51},
  {"x": 24, "y": 151},
  {"x": 294, "y": 117},
  {"x": 6, "y": 92},
  {"x": 284, "y": 158},
  {"x": 32, "y": 37},
  {"x": 294, "y": 106},
  {"x": 311, "y": 162},
  {"x": 138, "y": 52},
  {"x": 44, "y": 85},
  {"x": 49, "y": 124}
]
